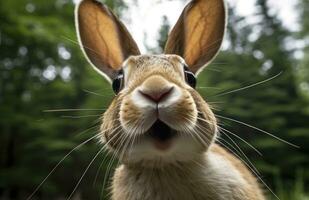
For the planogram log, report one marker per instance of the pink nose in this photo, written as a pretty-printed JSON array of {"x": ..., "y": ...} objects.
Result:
[{"x": 157, "y": 95}]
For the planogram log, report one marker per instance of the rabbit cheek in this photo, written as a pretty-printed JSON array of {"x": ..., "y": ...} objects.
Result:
[
  {"x": 206, "y": 120},
  {"x": 134, "y": 119},
  {"x": 110, "y": 128}
]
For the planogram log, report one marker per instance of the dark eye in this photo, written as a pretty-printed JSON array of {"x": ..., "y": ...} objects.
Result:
[
  {"x": 118, "y": 82},
  {"x": 190, "y": 77}
]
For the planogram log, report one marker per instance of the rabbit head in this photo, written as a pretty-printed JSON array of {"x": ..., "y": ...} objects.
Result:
[{"x": 157, "y": 117}]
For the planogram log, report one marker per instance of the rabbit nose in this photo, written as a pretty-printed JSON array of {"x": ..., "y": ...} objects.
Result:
[
  {"x": 157, "y": 96},
  {"x": 155, "y": 89}
]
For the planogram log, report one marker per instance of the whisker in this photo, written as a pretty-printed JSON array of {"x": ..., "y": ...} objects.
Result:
[
  {"x": 255, "y": 149},
  {"x": 97, "y": 94},
  {"x": 78, "y": 44},
  {"x": 109, "y": 166},
  {"x": 97, "y": 173},
  {"x": 72, "y": 109},
  {"x": 56, "y": 166},
  {"x": 87, "y": 168},
  {"x": 260, "y": 179},
  {"x": 98, "y": 170},
  {"x": 241, "y": 152},
  {"x": 201, "y": 137},
  {"x": 258, "y": 129},
  {"x": 218, "y": 63},
  {"x": 79, "y": 181},
  {"x": 212, "y": 69},
  {"x": 248, "y": 86},
  {"x": 238, "y": 148},
  {"x": 85, "y": 131},
  {"x": 130, "y": 147},
  {"x": 78, "y": 117},
  {"x": 206, "y": 141},
  {"x": 208, "y": 87}
]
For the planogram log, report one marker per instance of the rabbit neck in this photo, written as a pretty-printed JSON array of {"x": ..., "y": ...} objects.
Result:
[
  {"x": 210, "y": 177},
  {"x": 156, "y": 183}
]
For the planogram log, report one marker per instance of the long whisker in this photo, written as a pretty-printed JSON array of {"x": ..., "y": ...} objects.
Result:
[
  {"x": 56, "y": 166},
  {"x": 251, "y": 166},
  {"x": 77, "y": 43},
  {"x": 200, "y": 138},
  {"x": 206, "y": 141},
  {"x": 78, "y": 117},
  {"x": 258, "y": 129},
  {"x": 241, "y": 152},
  {"x": 260, "y": 179},
  {"x": 208, "y": 87},
  {"x": 248, "y": 86},
  {"x": 247, "y": 143},
  {"x": 81, "y": 178},
  {"x": 88, "y": 129},
  {"x": 97, "y": 173},
  {"x": 212, "y": 69},
  {"x": 78, "y": 183},
  {"x": 238, "y": 148},
  {"x": 237, "y": 155},
  {"x": 109, "y": 166},
  {"x": 97, "y": 94},
  {"x": 72, "y": 109},
  {"x": 130, "y": 147},
  {"x": 254, "y": 170}
]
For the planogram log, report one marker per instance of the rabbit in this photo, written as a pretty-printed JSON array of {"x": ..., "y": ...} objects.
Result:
[{"x": 158, "y": 126}]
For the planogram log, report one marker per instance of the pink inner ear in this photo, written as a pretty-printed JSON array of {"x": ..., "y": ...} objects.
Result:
[
  {"x": 198, "y": 33},
  {"x": 105, "y": 40}
]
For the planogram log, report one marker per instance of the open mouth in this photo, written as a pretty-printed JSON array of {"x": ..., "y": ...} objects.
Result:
[{"x": 161, "y": 134}]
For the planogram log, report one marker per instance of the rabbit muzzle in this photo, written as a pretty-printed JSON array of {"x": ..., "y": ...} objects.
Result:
[{"x": 159, "y": 110}]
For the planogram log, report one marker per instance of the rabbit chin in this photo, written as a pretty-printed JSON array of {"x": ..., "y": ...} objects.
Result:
[{"x": 181, "y": 148}]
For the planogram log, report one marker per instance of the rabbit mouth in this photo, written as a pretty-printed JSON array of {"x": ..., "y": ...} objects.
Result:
[{"x": 162, "y": 135}]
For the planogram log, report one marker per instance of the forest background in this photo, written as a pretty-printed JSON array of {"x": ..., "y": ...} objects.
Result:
[{"x": 260, "y": 79}]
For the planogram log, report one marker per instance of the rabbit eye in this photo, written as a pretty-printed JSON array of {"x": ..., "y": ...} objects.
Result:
[
  {"x": 118, "y": 82},
  {"x": 190, "y": 77}
]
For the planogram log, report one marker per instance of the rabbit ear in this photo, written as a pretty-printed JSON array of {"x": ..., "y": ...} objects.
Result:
[
  {"x": 198, "y": 34},
  {"x": 104, "y": 39}
]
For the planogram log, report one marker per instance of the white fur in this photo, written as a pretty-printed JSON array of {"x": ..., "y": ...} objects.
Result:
[
  {"x": 173, "y": 97},
  {"x": 182, "y": 148}
]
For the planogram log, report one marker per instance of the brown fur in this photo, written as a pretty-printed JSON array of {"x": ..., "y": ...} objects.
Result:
[
  {"x": 184, "y": 181},
  {"x": 253, "y": 190}
]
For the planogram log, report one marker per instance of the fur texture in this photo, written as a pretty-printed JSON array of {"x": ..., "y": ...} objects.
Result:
[{"x": 217, "y": 175}]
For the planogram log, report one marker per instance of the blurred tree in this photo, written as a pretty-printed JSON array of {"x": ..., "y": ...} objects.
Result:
[
  {"x": 42, "y": 68},
  {"x": 303, "y": 70},
  {"x": 163, "y": 33},
  {"x": 162, "y": 37}
]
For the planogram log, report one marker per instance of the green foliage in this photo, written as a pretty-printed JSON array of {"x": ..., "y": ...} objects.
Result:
[{"x": 303, "y": 69}]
